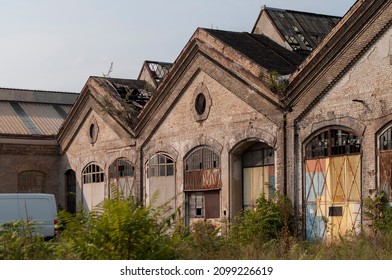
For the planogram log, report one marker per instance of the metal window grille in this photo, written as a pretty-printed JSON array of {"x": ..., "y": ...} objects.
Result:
[{"x": 333, "y": 142}]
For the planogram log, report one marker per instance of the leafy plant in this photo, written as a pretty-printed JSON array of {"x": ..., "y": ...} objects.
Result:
[{"x": 118, "y": 229}]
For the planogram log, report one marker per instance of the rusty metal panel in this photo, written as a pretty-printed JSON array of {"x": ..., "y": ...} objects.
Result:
[
  {"x": 332, "y": 196},
  {"x": 10, "y": 123},
  {"x": 44, "y": 116},
  {"x": 209, "y": 179},
  {"x": 212, "y": 205}
]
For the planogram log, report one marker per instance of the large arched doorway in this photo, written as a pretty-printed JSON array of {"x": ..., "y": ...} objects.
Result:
[
  {"x": 258, "y": 174},
  {"x": 93, "y": 190},
  {"x": 202, "y": 184},
  {"x": 161, "y": 182},
  {"x": 332, "y": 186},
  {"x": 252, "y": 174}
]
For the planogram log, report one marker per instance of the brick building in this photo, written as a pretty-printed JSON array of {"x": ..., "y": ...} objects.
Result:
[{"x": 298, "y": 106}]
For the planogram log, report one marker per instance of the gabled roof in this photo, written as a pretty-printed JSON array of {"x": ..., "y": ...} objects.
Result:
[
  {"x": 131, "y": 94},
  {"x": 301, "y": 30},
  {"x": 155, "y": 70},
  {"x": 261, "y": 50},
  {"x": 362, "y": 25}
]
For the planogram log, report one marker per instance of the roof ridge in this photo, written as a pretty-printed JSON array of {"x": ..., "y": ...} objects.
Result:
[
  {"x": 298, "y": 12},
  {"x": 39, "y": 90}
]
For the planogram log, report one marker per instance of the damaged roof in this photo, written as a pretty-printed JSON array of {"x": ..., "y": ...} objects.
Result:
[
  {"x": 132, "y": 94},
  {"x": 158, "y": 69},
  {"x": 303, "y": 31},
  {"x": 261, "y": 50}
]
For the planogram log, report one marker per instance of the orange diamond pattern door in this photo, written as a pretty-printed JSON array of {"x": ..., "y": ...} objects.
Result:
[{"x": 332, "y": 191}]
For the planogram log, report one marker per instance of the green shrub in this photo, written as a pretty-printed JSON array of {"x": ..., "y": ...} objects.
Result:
[
  {"x": 118, "y": 229},
  {"x": 270, "y": 219},
  {"x": 17, "y": 242}
]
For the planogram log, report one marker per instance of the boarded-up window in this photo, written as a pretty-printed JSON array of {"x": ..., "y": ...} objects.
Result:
[
  {"x": 121, "y": 175},
  {"x": 204, "y": 205},
  {"x": 385, "y": 162},
  {"x": 202, "y": 170},
  {"x": 31, "y": 182}
]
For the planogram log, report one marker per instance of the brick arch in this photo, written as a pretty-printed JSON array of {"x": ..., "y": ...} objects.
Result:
[
  {"x": 153, "y": 148},
  {"x": 346, "y": 122},
  {"x": 251, "y": 135},
  {"x": 27, "y": 166},
  {"x": 203, "y": 141}
]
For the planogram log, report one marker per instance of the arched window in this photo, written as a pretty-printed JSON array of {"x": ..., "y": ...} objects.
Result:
[
  {"x": 160, "y": 166},
  {"x": 202, "y": 184},
  {"x": 121, "y": 177},
  {"x": 333, "y": 142},
  {"x": 202, "y": 170},
  {"x": 93, "y": 174},
  {"x": 31, "y": 181},
  {"x": 332, "y": 185}
]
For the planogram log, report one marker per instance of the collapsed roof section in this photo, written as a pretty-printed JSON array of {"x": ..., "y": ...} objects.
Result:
[
  {"x": 131, "y": 94},
  {"x": 298, "y": 31},
  {"x": 153, "y": 72}
]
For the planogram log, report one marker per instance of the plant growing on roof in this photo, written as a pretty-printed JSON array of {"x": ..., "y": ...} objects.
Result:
[{"x": 277, "y": 82}]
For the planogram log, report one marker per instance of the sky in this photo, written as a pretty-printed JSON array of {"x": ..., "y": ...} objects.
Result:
[{"x": 57, "y": 45}]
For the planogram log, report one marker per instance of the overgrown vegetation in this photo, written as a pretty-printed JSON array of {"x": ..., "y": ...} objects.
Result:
[{"x": 123, "y": 229}]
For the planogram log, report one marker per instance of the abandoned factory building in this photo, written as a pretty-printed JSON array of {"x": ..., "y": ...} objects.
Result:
[{"x": 300, "y": 105}]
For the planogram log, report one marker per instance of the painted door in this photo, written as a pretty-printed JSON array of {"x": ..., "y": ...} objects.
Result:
[{"x": 332, "y": 196}]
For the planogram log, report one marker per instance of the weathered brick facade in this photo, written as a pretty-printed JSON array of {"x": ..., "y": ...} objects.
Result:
[{"x": 219, "y": 101}]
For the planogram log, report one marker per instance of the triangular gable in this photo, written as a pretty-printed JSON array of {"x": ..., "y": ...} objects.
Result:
[
  {"x": 209, "y": 51},
  {"x": 105, "y": 97},
  {"x": 356, "y": 32},
  {"x": 299, "y": 31}
]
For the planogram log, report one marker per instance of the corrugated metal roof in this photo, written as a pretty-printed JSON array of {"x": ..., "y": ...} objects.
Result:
[
  {"x": 303, "y": 31},
  {"x": 31, "y": 118},
  {"x": 10, "y": 123},
  {"x": 45, "y": 117}
]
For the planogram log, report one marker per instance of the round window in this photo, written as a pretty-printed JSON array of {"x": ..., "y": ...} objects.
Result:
[
  {"x": 92, "y": 131},
  {"x": 200, "y": 104}
]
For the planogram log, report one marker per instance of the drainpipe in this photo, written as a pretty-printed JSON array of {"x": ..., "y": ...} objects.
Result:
[{"x": 285, "y": 154}]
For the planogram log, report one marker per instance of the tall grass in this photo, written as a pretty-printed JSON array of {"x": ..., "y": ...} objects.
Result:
[{"x": 123, "y": 229}]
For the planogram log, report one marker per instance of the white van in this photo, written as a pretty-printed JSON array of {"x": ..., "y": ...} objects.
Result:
[{"x": 38, "y": 208}]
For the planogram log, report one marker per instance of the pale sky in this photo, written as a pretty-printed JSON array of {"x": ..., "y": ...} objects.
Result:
[{"x": 57, "y": 44}]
